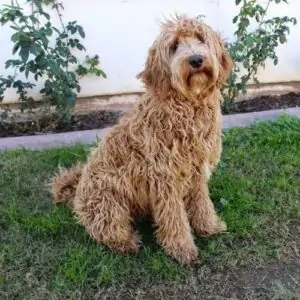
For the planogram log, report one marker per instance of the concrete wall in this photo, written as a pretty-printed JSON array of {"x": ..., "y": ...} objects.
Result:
[{"x": 120, "y": 32}]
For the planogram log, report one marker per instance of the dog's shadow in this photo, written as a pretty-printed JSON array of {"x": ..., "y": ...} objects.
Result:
[{"x": 146, "y": 230}]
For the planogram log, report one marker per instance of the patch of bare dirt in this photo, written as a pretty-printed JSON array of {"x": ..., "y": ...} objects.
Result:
[{"x": 276, "y": 281}]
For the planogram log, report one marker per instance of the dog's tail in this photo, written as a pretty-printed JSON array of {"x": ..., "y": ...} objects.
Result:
[{"x": 63, "y": 185}]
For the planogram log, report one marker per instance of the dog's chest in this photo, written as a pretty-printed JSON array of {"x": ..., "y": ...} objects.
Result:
[
  {"x": 203, "y": 124},
  {"x": 202, "y": 133}
]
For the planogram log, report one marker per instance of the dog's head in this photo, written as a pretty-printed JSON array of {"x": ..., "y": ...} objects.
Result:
[{"x": 188, "y": 56}]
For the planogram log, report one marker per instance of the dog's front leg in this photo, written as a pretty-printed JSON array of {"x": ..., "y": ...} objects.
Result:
[
  {"x": 173, "y": 229},
  {"x": 215, "y": 153},
  {"x": 202, "y": 215}
]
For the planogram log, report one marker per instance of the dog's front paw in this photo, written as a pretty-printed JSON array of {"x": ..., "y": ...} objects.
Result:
[
  {"x": 212, "y": 227},
  {"x": 185, "y": 254},
  {"x": 129, "y": 246}
]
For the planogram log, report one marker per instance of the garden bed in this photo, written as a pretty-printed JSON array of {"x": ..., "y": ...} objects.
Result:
[{"x": 106, "y": 118}]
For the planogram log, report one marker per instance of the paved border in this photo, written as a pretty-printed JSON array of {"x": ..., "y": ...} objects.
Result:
[{"x": 89, "y": 136}]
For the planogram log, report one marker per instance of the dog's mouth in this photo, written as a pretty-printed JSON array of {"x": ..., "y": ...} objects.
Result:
[{"x": 199, "y": 72}]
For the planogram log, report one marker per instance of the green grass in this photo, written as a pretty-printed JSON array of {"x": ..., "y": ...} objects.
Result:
[{"x": 45, "y": 254}]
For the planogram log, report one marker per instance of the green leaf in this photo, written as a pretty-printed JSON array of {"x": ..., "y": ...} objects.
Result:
[
  {"x": 42, "y": 62},
  {"x": 282, "y": 39},
  {"x": 73, "y": 29},
  {"x": 36, "y": 76},
  {"x": 81, "y": 31},
  {"x": 16, "y": 48},
  {"x": 34, "y": 20},
  {"x": 81, "y": 70},
  {"x": 44, "y": 41},
  {"x": 63, "y": 35},
  {"x": 71, "y": 43},
  {"x": 101, "y": 73},
  {"x": 27, "y": 72},
  {"x": 71, "y": 100},
  {"x": 79, "y": 47},
  {"x": 53, "y": 67},
  {"x": 237, "y": 2},
  {"x": 245, "y": 23},
  {"x": 47, "y": 16},
  {"x": 15, "y": 37},
  {"x": 56, "y": 30},
  {"x": 38, "y": 4},
  {"x": 24, "y": 53},
  {"x": 49, "y": 31},
  {"x": 235, "y": 19}
]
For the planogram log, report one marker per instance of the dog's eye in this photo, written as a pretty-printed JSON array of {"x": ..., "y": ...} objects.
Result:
[
  {"x": 174, "y": 46},
  {"x": 200, "y": 38}
]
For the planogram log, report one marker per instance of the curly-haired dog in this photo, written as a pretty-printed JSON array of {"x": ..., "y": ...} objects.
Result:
[{"x": 158, "y": 159}]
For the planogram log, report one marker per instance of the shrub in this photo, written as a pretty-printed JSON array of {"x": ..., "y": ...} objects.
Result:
[
  {"x": 252, "y": 48},
  {"x": 38, "y": 57}
]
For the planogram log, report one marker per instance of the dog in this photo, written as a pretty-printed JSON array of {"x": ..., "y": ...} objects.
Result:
[{"x": 158, "y": 159}]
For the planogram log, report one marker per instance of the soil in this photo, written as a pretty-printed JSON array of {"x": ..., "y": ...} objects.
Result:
[
  {"x": 106, "y": 118},
  {"x": 267, "y": 103},
  {"x": 52, "y": 124}
]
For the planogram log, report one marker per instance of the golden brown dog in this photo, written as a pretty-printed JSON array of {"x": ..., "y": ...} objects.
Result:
[{"x": 159, "y": 158}]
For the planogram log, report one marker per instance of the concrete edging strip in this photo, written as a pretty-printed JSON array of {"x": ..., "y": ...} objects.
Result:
[{"x": 89, "y": 136}]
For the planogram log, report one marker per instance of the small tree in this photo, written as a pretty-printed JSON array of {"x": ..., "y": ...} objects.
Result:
[
  {"x": 36, "y": 55},
  {"x": 251, "y": 49}
]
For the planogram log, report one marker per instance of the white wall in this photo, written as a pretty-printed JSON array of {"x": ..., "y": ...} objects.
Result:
[{"x": 120, "y": 32}]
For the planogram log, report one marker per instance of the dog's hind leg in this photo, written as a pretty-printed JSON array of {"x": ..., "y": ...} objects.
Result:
[
  {"x": 63, "y": 185},
  {"x": 107, "y": 218}
]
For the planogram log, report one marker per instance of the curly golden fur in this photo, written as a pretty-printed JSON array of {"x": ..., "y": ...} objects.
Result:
[{"x": 159, "y": 157}]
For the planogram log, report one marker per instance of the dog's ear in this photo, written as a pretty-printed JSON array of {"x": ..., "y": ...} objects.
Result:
[
  {"x": 147, "y": 75},
  {"x": 226, "y": 66},
  {"x": 155, "y": 76}
]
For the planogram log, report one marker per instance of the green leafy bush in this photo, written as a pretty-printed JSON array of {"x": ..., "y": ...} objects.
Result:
[
  {"x": 252, "y": 48},
  {"x": 38, "y": 56}
]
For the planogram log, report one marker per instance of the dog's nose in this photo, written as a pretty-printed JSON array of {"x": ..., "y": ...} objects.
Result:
[{"x": 195, "y": 61}]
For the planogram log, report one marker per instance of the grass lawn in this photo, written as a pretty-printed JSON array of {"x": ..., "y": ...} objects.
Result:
[{"x": 44, "y": 254}]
